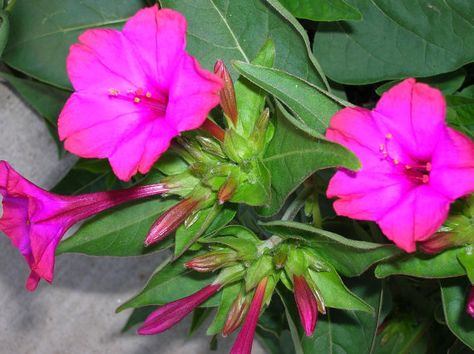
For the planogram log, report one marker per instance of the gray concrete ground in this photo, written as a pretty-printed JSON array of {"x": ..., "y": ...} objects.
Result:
[{"x": 76, "y": 314}]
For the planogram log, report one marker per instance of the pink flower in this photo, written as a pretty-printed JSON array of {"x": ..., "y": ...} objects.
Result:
[
  {"x": 168, "y": 315},
  {"x": 244, "y": 341},
  {"x": 306, "y": 303},
  {"x": 470, "y": 302},
  {"x": 413, "y": 165},
  {"x": 135, "y": 90},
  {"x": 36, "y": 220}
]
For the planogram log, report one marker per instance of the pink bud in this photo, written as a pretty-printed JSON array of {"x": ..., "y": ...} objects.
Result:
[
  {"x": 227, "y": 190},
  {"x": 227, "y": 94},
  {"x": 244, "y": 341},
  {"x": 236, "y": 314},
  {"x": 168, "y": 315},
  {"x": 307, "y": 304},
  {"x": 170, "y": 220},
  {"x": 438, "y": 242},
  {"x": 211, "y": 261},
  {"x": 470, "y": 302},
  {"x": 213, "y": 129}
]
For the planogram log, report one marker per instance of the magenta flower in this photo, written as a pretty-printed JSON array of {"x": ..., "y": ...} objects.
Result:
[
  {"x": 135, "y": 90},
  {"x": 413, "y": 165},
  {"x": 306, "y": 303},
  {"x": 470, "y": 302},
  {"x": 36, "y": 220},
  {"x": 168, "y": 315},
  {"x": 243, "y": 343}
]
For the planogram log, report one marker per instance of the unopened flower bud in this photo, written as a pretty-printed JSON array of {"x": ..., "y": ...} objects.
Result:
[
  {"x": 470, "y": 302},
  {"x": 211, "y": 261},
  {"x": 171, "y": 219},
  {"x": 236, "y": 314},
  {"x": 439, "y": 242},
  {"x": 306, "y": 303},
  {"x": 227, "y": 94},
  {"x": 260, "y": 130},
  {"x": 227, "y": 190},
  {"x": 213, "y": 129},
  {"x": 211, "y": 146}
]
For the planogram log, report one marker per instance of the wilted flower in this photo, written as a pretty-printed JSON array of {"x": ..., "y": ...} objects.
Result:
[
  {"x": 135, "y": 90},
  {"x": 35, "y": 220},
  {"x": 413, "y": 165}
]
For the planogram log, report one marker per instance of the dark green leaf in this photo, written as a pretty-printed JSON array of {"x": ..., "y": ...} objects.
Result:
[
  {"x": 443, "y": 265},
  {"x": 236, "y": 30},
  {"x": 292, "y": 156},
  {"x": 466, "y": 257},
  {"x": 350, "y": 332},
  {"x": 460, "y": 113},
  {"x": 349, "y": 257},
  {"x": 397, "y": 39},
  {"x": 4, "y": 30},
  {"x": 200, "y": 315},
  {"x": 448, "y": 83},
  {"x": 170, "y": 282},
  {"x": 312, "y": 106},
  {"x": 119, "y": 232},
  {"x": 42, "y": 32},
  {"x": 322, "y": 10},
  {"x": 454, "y": 294}
]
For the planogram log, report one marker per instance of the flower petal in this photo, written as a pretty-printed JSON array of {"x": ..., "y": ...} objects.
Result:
[
  {"x": 103, "y": 60},
  {"x": 419, "y": 215},
  {"x": 193, "y": 93},
  {"x": 453, "y": 165},
  {"x": 160, "y": 38},
  {"x": 414, "y": 114},
  {"x": 365, "y": 195}
]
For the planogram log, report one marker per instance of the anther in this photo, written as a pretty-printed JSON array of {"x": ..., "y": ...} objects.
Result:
[
  {"x": 136, "y": 99},
  {"x": 114, "y": 92},
  {"x": 396, "y": 162},
  {"x": 389, "y": 136},
  {"x": 148, "y": 94}
]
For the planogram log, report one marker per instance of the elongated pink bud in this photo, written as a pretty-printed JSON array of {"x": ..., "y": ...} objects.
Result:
[
  {"x": 168, "y": 315},
  {"x": 170, "y": 220},
  {"x": 244, "y": 341},
  {"x": 307, "y": 305},
  {"x": 213, "y": 129},
  {"x": 227, "y": 94},
  {"x": 470, "y": 302}
]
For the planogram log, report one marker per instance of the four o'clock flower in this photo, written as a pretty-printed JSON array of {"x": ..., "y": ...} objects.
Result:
[
  {"x": 168, "y": 315},
  {"x": 36, "y": 220},
  {"x": 135, "y": 90},
  {"x": 413, "y": 165},
  {"x": 470, "y": 302},
  {"x": 306, "y": 303},
  {"x": 243, "y": 343}
]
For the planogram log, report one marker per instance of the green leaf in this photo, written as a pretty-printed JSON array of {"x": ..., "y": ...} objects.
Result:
[
  {"x": 454, "y": 294},
  {"x": 460, "y": 113},
  {"x": 200, "y": 315},
  {"x": 349, "y": 257},
  {"x": 170, "y": 282},
  {"x": 322, "y": 10},
  {"x": 208, "y": 221},
  {"x": 442, "y": 265},
  {"x": 350, "y": 332},
  {"x": 229, "y": 294},
  {"x": 237, "y": 29},
  {"x": 466, "y": 257},
  {"x": 4, "y": 30},
  {"x": 448, "y": 83},
  {"x": 119, "y": 232},
  {"x": 312, "y": 106},
  {"x": 292, "y": 156},
  {"x": 250, "y": 98},
  {"x": 336, "y": 294},
  {"x": 397, "y": 39},
  {"x": 42, "y": 32}
]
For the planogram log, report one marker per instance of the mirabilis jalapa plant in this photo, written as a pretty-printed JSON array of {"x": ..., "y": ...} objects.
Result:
[{"x": 398, "y": 165}]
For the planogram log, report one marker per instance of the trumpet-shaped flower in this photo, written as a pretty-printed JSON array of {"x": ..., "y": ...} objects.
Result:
[
  {"x": 135, "y": 90},
  {"x": 413, "y": 165},
  {"x": 168, "y": 315},
  {"x": 35, "y": 220}
]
